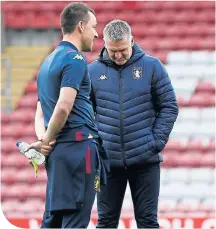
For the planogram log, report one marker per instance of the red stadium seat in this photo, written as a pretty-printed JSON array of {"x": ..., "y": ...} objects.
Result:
[
  {"x": 107, "y": 6},
  {"x": 202, "y": 100},
  {"x": 187, "y": 44},
  {"x": 174, "y": 30},
  {"x": 10, "y": 205},
  {"x": 41, "y": 20},
  {"x": 29, "y": 131},
  {"x": 207, "y": 16},
  {"x": 149, "y": 44},
  {"x": 98, "y": 45},
  {"x": 168, "y": 6},
  {"x": 205, "y": 86},
  {"x": 26, "y": 174},
  {"x": 31, "y": 88},
  {"x": 24, "y": 7},
  {"x": 127, "y": 15},
  {"x": 179, "y": 5},
  {"x": 208, "y": 30},
  {"x": 170, "y": 159},
  {"x": 161, "y": 55},
  {"x": 42, "y": 175},
  {"x": 183, "y": 102},
  {"x": 194, "y": 145},
  {"x": 8, "y": 146},
  {"x": 13, "y": 131},
  {"x": 208, "y": 160},
  {"x": 165, "y": 17},
  {"x": 29, "y": 101},
  {"x": 4, "y": 118},
  {"x": 175, "y": 145},
  {"x": 22, "y": 116},
  {"x": 47, "y": 6},
  {"x": 54, "y": 20},
  {"x": 168, "y": 44},
  {"x": 17, "y": 191},
  {"x": 15, "y": 160},
  {"x": 158, "y": 30},
  {"x": 205, "y": 5},
  {"x": 207, "y": 43},
  {"x": 27, "y": 208},
  {"x": 211, "y": 146},
  {"x": 195, "y": 30},
  {"x": 138, "y": 31},
  {"x": 8, "y": 176},
  {"x": 19, "y": 18},
  {"x": 185, "y": 16},
  {"x": 58, "y": 6},
  {"x": 129, "y": 4},
  {"x": 7, "y": 6},
  {"x": 38, "y": 191},
  {"x": 189, "y": 159},
  {"x": 144, "y": 17},
  {"x": 104, "y": 18}
]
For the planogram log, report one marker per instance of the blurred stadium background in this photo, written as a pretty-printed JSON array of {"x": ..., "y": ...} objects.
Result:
[{"x": 182, "y": 35}]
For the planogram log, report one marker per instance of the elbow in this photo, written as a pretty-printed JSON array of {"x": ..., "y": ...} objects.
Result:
[
  {"x": 176, "y": 107},
  {"x": 64, "y": 108},
  {"x": 175, "y": 111},
  {"x": 39, "y": 116}
]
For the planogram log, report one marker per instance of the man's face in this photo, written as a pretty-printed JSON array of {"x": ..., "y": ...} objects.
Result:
[
  {"x": 89, "y": 33},
  {"x": 119, "y": 52}
]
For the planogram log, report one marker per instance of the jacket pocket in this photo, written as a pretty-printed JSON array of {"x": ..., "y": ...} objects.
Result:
[{"x": 159, "y": 144}]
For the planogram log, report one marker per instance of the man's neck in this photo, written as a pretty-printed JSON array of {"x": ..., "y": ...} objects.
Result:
[{"x": 72, "y": 39}]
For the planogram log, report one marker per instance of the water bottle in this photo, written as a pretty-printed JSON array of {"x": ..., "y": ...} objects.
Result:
[{"x": 32, "y": 154}]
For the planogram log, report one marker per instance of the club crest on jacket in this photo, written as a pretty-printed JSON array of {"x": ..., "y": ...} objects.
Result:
[{"x": 137, "y": 73}]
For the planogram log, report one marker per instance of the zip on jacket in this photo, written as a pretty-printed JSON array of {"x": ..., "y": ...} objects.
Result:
[{"x": 122, "y": 118}]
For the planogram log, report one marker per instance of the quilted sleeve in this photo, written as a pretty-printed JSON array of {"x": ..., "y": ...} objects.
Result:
[{"x": 165, "y": 103}]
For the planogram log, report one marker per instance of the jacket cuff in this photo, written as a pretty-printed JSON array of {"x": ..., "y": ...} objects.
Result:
[{"x": 160, "y": 143}]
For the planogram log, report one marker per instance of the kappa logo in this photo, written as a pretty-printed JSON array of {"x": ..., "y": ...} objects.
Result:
[
  {"x": 90, "y": 136},
  {"x": 102, "y": 77},
  {"x": 137, "y": 73},
  {"x": 78, "y": 57}
]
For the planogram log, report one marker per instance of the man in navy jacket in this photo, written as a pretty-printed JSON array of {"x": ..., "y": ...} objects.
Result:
[{"x": 136, "y": 108}]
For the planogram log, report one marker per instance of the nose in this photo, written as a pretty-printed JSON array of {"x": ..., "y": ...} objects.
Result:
[
  {"x": 118, "y": 55},
  {"x": 96, "y": 35}
]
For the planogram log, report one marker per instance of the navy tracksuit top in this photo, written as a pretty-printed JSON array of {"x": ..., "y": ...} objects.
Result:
[{"x": 135, "y": 107}]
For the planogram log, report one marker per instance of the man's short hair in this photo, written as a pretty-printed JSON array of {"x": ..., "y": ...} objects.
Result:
[
  {"x": 117, "y": 30},
  {"x": 72, "y": 15}
]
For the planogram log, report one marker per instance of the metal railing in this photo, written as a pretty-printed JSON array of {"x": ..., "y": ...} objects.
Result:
[{"x": 6, "y": 84}]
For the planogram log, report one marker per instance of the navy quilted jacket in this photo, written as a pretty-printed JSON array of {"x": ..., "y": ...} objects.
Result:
[{"x": 135, "y": 107}]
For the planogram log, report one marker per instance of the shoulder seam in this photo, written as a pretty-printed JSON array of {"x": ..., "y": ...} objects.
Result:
[{"x": 93, "y": 62}]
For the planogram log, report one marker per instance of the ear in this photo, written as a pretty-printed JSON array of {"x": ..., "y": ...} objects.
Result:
[
  {"x": 132, "y": 41},
  {"x": 81, "y": 26},
  {"x": 104, "y": 42}
]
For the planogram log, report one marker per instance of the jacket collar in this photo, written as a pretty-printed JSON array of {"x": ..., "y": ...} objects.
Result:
[{"x": 137, "y": 53}]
